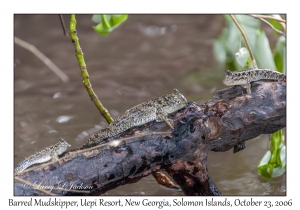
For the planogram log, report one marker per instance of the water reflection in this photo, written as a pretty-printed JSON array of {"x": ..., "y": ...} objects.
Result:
[{"x": 64, "y": 119}]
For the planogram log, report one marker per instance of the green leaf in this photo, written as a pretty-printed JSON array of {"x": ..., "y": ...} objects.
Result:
[
  {"x": 278, "y": 62},
  {"x": 107, "y": 23},
  {"x": 242, "y": 56},
  {"x": 283, "y": 155},
  {"x": 265, "y": 159},
  {"x": 97, "y": 18},
  {"x": 275, "y": 143},
  {"x": 281, "y": 162},
  {"x": 273, "y": 164},
  {"x": 219, "y": 51},
  {"x": 275, "y": 24},
  {"x": 280, "y": 54},
  {"x": 266, "y": 171},
  {"x": 263, "y": 54},
  {"x": 277, "y": 172}
]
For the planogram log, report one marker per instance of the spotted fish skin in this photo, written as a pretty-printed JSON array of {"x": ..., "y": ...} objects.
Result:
[
  {"x": 152, "y": 110},
  {"x": 45, "y": 155},
  {"x": 250, "y": 75}
]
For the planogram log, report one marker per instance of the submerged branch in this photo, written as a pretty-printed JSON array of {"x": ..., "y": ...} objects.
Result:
[{"x": 43, "y": 58}]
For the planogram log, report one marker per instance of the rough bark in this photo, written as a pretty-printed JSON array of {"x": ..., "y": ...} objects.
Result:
[{"x": 229, "y": 118}]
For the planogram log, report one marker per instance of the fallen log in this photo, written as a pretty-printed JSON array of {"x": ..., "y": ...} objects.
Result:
[{"x": 230, "y": 118}]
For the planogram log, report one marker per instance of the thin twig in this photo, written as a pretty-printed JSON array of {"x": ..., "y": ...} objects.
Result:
[
  {"x": 269, "y": 17},
  {"x": 43, "y": 58},
  {"x": 84, "y": 73},
  {"x": 279, "y": 19},
  {"x": 63, "y": 24},
  {"x": 278, "y": 31},
  {"x": 283, "y": 24},
  {"x": 245, "y": 38},
  {"x": 32, "y": 185}
]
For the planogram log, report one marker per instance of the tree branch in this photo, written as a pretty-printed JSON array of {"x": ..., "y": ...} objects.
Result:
[{"x": 231, "y": 117}]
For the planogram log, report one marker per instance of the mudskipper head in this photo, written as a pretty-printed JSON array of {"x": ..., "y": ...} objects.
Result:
[
  {"x": 235, "y": 78},
  {"x": 175, "y": 102},
  {"x": 179, "y": 97},
  {"x": 62, "y": 145},
  {"x": 228, "y": 78}
]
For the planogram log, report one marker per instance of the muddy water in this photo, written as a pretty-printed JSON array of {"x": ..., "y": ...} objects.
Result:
[{"x": 144, "y": 58}]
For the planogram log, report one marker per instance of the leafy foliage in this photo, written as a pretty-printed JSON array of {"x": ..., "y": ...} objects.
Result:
[
  {"x": 262, "y": 52},
  {"x": 273, "y": 164},
  {"x": 279, "y": 54},
  {"x": 243, "y": 57},
  {"x": 107, "y": 23},
  {"x": 230, "y": 42}
]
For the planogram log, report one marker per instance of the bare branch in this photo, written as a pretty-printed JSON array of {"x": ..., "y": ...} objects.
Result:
[
  {"x": 269, "y": 17},
  {"x": 275, "y": 29},
  {"x": 61, "y": 18},
  {"x": 246, "y": 40}
]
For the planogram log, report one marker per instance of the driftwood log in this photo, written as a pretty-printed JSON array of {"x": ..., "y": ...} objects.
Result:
[{"x": 229, "y": 118}]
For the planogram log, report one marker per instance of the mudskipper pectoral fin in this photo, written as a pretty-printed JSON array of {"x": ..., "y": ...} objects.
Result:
[
  {"x": 54, "y": 156},
  {"x": 248, "y": 87},
  {"x": 168, "y": 121}
]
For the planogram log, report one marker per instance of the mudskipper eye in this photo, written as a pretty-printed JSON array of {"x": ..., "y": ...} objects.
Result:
[
  {"x": 228, "y": 73},
  {"x": 175, "y": 91}
]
